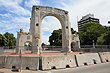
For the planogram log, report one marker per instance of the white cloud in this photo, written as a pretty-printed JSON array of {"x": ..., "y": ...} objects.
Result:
[
  {"x": 100, "y": 9},
  {"x": 21, "y": 20},
  {"x": 30, "y": 3},
  {"x": 50, "y": 23},
  {"x": 14, "y": 7},
  {"x": 8, "y": 15},
  {"x": 45, "y": 39}
]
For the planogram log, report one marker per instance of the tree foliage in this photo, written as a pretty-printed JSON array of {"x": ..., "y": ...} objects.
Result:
[
  {"x": 3, "y": 41},
  {"x": 11, "y": 40},
  {"x": 57, "y": 37},
  {"x": 100, "y": 40},
  {"x": 107, "y": 38},
  {"x": 43, "y": 44},
  {"x": 89, "y": 32}
]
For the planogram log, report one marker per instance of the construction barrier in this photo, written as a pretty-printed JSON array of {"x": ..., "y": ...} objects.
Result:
[
  {"x": 105, "y": 56},
  {"x": 53, "y": 61},
  {"x": 30, "y": 62},
  {"x": 2, "y": 61},
  {"x": 27, "y": 62},
  {"x": 58, "y": 61},
  {"x": 87, "y": 59},
  {"x": 12, "y": 62}
]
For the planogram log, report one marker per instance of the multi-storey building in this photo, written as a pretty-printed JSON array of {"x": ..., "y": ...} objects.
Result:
[{"x": 86, "y": 19}]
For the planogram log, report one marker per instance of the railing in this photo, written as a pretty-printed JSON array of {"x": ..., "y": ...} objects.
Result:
[
  {"x": 52, "y": 48},
  {"x": 92, "y": 49},
  {"x": 84, "y": 48}
]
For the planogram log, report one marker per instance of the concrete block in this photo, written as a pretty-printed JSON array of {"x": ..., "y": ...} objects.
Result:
[
  {"x": 58, "y": 61},
  {"x": 12, "y": 62},
  {"x": 30, "y": 62},
  {"x": 2, "y": 61},
  {"x": 105, "y": 56},
  {"x": 88, "y": 59}
]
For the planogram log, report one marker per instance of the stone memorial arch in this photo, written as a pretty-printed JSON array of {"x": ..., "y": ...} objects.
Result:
[{"x": 34, "y": 35}]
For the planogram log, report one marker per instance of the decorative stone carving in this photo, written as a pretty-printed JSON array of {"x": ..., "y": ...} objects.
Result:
[{"x": 24, "y": 33}]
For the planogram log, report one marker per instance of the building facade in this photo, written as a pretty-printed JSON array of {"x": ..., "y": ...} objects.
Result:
[{"x": 86, "y": 19}]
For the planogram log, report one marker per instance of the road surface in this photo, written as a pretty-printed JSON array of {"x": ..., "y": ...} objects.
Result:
[{"x": 97, "y": 68}]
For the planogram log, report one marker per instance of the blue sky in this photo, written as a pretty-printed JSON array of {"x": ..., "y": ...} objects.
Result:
[{"x": 15, "y": 14}]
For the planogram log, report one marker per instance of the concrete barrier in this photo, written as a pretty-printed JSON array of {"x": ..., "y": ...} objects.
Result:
[
  {"x": 12, "y": 62},
  {"x": 2, "y": 61},
  {"x": 58, "y": 61},
  {"x": 28, "y": 62},
  {"x": 105, "y": 56},
  {"x": 88, "y": 59}
]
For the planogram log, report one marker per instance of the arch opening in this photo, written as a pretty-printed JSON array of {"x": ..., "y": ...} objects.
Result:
[
  {"x": 55, "y": 16},
  {"x": 50, "y": 23},
  {"x": 28, "y": 46}
]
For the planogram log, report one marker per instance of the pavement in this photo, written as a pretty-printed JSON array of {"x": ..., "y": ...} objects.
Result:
[{"x": 97, "y": 68}]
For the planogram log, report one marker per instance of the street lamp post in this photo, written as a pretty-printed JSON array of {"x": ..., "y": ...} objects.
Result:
[{"x": 53, "y": 44}]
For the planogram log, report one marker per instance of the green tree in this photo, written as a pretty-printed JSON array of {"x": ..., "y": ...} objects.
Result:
[
  {"x": 100, "y": 40},
  {"x": 43, "y": 44},
  {"x": 25, "y": 45},
  {"x": 57, "y": 37},
  {"x": 10, "y": 39},
  {"x": 3, "y": 41},
  {"x": 107, "y": 38},
  {"x": 89, "y": 32}
]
